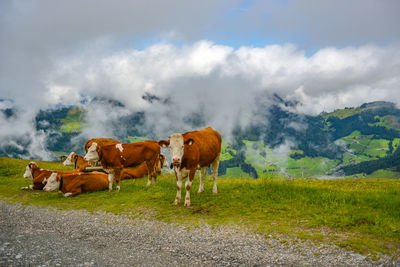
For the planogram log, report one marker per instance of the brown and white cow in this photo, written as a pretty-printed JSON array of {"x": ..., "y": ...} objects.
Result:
[
  {"x": 100, "y": 141},
  {"x": 76, "y": 161},
  {"x": 114, "y": 158},
  {"x": 190, "y": 151},
  {"x": 142, "y": 170},
  {"x": 38, "y": 175},
  {"x": 78, "y": 183}
]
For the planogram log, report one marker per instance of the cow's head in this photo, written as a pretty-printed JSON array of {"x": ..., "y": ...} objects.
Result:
[
  {"x": 176, "y": 144},
  {"x": 52, "y": 182},
  {"x": 70, "y": 160},
  {"x": 30, "y": 169},
  {"x": 93, "y": 153},
  {"x": 161, "y": 163}
]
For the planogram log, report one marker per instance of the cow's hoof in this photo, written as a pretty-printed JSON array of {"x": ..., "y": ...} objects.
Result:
[
  {"x": 148, "y": 184},
  {"x": 199, "y": 192},
  {"x": 187, "y": 203},
  {"x": 176, "y": 202},
  {"x": 118, "y": 188},
  {"x": 215, "y": 192},
  {"x": 25, "y": 188},
  {"x": 109, "y": 189},
  {"x": 67, "y": 194}
]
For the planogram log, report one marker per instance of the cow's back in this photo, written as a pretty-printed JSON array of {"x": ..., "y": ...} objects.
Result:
[
  {"x": 137, "y": 172},
  {"x": 87, "y": 181},
  {"x": 130, "y": 154},
  {"x": 144, "y": 150},
  {"x": 208, "y": 142},
  {"x": 101, "y": 141},
  {"x": 95, "y": 181}
]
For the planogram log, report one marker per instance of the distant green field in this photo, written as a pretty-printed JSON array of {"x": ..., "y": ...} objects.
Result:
[
  {"x": 362, "y": 215},
  {"x": 134, "y": 139},
  {"x": 387, "y": 121},
  {"x": 365, "y": 145},
  {"x": 74, "y": 122},
  {"x": 269, "y": 164},
  {"x": 225, "y": 149}
]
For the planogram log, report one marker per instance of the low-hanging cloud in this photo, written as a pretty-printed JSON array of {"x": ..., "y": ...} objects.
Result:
[{"x": 220, "y": 84}]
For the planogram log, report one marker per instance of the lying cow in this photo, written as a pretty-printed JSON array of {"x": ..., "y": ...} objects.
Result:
[
  {"x": 100, "y": 141},
  {"x": 114, "y": 158},
  {"x": 142, "y": 170},
  {"x": 38, "y": 175},
  {"x": 192, "y": 150},
  {"x": 77, "y": 161},
  {"x": 78, "y": 183}
]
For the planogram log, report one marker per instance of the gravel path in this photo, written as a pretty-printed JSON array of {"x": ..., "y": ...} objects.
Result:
[{"x": 33, "y": 236}]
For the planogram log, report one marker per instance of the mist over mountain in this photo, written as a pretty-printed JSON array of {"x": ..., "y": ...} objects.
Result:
[{"x": 277, "y": 140}]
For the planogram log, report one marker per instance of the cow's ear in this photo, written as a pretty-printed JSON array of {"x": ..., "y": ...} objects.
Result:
[
  {"x": 76, "y": 156},
  {"x": 163, "y": 143},
  {"x": 189, "y": 141}
]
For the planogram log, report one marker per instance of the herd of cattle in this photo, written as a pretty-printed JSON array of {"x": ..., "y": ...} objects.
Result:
[{"x": 117, "y": 161}]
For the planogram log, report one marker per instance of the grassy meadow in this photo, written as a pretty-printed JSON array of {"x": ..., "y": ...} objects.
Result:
[{"x": 362, "y": 215}]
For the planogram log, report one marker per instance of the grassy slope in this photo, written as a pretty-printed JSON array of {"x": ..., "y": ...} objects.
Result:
[
  {"x": 343, "y": 113},
  {"x": 362, "y": 215},
  {"x": 388, "y": 121}
]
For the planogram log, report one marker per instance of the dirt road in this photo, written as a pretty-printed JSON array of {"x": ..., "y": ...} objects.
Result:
[{"x": 33, "y": 236}]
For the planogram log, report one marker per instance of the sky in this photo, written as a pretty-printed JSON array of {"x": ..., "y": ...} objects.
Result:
[{"x": 210, "y": 57}]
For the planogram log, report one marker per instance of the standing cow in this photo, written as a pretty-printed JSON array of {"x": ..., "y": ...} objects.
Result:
[
  {"x": 114, "y": 158},
  {"x": 192, "y": 150}
]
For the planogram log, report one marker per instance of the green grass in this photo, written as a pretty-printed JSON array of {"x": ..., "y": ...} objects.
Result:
[
  {"x": 236, "y": 172},
  {"x": 358, "y": 214}
]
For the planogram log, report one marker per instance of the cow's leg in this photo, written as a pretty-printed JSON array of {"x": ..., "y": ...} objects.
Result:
[
  {"x": 202, "y": 176},
  {"x": 188, "y": 185},
  {"x": 117, "y": 174},
  {"x": 178, "y": 175},
  {"x": 27, "y": 187},
  {"x": 73, "y": 193},
  {"x": 154, "y": 167},
  {"x": 215, "y": 166},
  {"x": 110, "y": 179},
  {"x": 150, "y": 172}
]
